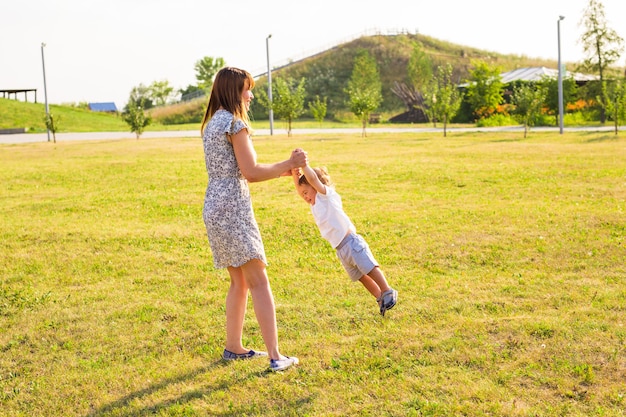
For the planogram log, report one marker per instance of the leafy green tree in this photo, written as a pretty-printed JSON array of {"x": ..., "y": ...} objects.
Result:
[
  {"x": 160, "y": 92},
  {"x": 551, "y": 86},
  {"x": 420, "y": 68},
  {"x": 52, "y": 125},
  {"x": 420, "y": 74},
  {"x": 484, "y": 91},
  {"x": 260, "y": 106},
  {"x": 136, "y": 118},
  {"x": 206, "y": 68},
  {"x": 288, "y": 99},
  {"x": 325, "y": 81},
  {"x": 616, "y": 103},
  {"x": 140, "y": 96},
  {"x": 318, "y": 109},
  {"x": 443, "y": 97},
  {"x": 528, "y": 100},
  {"x": 191, "y": 89},
  {"x": 364, "y": 87},
  {"x": 602, "y": 47}
]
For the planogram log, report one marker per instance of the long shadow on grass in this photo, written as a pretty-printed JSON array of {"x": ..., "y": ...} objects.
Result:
[
  {"x": 124, "y": 406},
  {"x": 604, "y": 138}
]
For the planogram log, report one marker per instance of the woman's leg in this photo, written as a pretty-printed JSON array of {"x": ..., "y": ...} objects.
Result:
[
  {"x": 255, "y": 275},
  {"x": 236, "y": 302}
]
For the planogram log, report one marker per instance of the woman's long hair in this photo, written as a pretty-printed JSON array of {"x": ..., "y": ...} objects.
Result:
[{"x": 227, "y": 92}]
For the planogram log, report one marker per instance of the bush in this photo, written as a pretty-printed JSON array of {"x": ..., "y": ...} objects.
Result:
[{"x": 497, "y": 120}]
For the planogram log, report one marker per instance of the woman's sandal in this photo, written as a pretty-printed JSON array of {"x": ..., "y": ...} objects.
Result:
[{"x": 231, "y": 356}]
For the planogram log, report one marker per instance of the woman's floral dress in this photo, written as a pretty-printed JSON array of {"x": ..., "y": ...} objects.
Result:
[{"x": 230, "y": 223}]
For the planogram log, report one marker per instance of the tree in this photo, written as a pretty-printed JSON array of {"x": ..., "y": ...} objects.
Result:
[
  {"x": 206, "y": 68},
  {"x": 135, "y": 117},
  {"x": 318, "y": 109},
  {"x": 364, "y": 87},
  {"x": 484, "y": 92},
  {"x": 602, "y": 46},
  {"x": 191, "y": 91},
  {"x": 420, "y": 74},
  {"x": 140, "y": 96},
  {"x": 528, "y": 100},
  {"x": 160, "y": 92},
  {"x": 616, "y": 103},
  {"x": 51, "y": 125},
  {"x": 551, "y": 86},
  {"x": 420, "y": 68},
  {"x": 443, "y": 97},
  {"x": 288, "y": 99}
]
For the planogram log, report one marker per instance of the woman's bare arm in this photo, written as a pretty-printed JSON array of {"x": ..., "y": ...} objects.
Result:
[{"x": 255, "y": 172}]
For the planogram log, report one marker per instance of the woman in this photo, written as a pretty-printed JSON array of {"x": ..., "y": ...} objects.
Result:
[{"x": 230, "y": 223}]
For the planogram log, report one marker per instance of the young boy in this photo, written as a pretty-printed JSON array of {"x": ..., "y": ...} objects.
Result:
[{"x": 315, "y": 187}]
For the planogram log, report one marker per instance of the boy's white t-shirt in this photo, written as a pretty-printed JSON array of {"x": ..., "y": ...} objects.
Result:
[{"x": 333, "y": 222}]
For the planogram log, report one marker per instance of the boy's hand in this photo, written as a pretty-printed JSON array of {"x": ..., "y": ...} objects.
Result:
[{"x": 295, "y": 174}]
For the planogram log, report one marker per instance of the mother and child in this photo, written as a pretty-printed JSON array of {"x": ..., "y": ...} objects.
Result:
[{"x": 232, "y": 230}]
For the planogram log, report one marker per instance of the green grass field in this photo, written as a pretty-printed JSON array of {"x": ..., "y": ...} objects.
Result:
[{"x": 508, "y": 255}]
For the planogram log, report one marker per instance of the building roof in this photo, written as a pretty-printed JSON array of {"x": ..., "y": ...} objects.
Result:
[
  {"x": 106, "y": 107},
  {"x": 537, "y": 73}
]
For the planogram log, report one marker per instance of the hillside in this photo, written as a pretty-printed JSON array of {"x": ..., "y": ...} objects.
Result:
[
  {"x": 31, "y": 116},
  {"x": 327, "y": 73}
]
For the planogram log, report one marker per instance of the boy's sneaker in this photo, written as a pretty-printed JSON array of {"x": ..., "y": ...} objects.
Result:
[
  {"x": 387, "y": 300},
  {"x": 282, "y": 364},
  {"x": 231, "y": 356}
]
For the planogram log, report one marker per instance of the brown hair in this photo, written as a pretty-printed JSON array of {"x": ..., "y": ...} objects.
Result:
[
  {"x": 226, "y": 93},
  {"x": 322, "y": 175}
]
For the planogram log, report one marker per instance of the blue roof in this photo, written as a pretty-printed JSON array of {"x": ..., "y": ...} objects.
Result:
[{"x": 102, "y": 107}]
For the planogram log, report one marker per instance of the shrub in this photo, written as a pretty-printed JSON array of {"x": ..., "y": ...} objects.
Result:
[{"x": 497, "y": 120}]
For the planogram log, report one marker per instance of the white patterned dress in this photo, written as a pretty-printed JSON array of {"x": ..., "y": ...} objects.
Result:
[{"x": 228, "y": 215}]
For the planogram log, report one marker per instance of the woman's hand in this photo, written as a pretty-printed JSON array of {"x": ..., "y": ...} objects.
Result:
[{"x": 298, "y": 158}]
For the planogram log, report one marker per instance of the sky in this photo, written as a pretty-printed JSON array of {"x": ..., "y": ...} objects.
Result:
[{"x": 98, "y": 51}]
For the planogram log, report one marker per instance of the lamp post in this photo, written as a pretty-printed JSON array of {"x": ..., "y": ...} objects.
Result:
[
  {"x": 558, "y": 26},
  {"x": 45, "y": 90},
  {"x": 269, "y": 82}
]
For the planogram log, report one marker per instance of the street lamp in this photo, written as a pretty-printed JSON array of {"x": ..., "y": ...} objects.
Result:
[
  {"x": 269, "y": 82},
  {"x": 45, "y": 90},
  {"x": 558, "y": 25}
]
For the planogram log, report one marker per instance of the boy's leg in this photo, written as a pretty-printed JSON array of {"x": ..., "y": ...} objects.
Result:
[
  {"x": 378, "y": 277},
  {"x": 370, "y": 285},
  {"x": 388, "y": 296}
]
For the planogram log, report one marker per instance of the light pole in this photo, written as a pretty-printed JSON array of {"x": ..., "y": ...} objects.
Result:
[
  {"x": 45, "y": 90},
  {"x": 558, "y": 26},
  {"x": 269, "y": 82}
]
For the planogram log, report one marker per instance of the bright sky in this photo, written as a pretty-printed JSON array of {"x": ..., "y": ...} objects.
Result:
[{"x": 98, "y": 51}]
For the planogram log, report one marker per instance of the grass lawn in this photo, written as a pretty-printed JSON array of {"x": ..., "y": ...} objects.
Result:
[{"x": 509, "y": 256}]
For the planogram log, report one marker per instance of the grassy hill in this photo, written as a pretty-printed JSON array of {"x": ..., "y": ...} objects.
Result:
[
  {"x": 17, "y": 114},
  {"x": 326, "y": 73}
]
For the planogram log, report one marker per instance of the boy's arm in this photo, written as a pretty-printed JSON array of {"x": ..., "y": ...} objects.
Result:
[
  {"x": 295, "y": 174},
  {"x": 315, "y": 182}
]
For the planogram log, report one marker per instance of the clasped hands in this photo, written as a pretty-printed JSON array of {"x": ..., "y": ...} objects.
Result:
[{"x": 298, "y": 159}]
